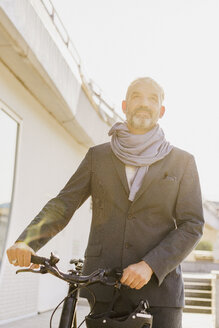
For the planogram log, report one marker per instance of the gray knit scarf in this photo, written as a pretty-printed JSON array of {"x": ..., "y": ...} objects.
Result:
[{"x": 139, "y": 150}]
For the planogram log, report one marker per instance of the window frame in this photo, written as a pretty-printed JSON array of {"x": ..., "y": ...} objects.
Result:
[{"x": 11, "y": 113}]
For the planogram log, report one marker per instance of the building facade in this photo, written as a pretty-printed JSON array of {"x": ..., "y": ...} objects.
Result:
[{"x": 48, "y": 120}]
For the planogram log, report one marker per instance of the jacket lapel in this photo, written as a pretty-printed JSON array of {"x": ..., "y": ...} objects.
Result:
[
  {"x": 153, "y": 172},
  {"x": 120, "y": 168}
]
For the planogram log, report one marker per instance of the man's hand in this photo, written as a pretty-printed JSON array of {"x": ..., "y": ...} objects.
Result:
[
  {"x": 137, "y": 275},
  {"x": 19, "y": 254}
]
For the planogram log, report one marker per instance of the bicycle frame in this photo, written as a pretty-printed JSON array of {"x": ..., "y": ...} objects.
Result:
[
  {"x": 68, "y": 317},
  {"x": 76, "y": 280}
]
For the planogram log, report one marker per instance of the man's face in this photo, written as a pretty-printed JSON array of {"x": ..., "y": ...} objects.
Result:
[{"x": 143, "y": 107}]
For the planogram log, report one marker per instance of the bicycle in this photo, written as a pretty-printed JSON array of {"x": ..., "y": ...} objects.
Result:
[{"x": 76, "y": 281}]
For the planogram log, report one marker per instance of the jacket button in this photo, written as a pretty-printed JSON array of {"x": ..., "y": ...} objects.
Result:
[{"x": 127, "y": 245}]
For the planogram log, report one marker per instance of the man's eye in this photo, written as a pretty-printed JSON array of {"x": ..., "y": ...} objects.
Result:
[{"x": 153, "y": 99}]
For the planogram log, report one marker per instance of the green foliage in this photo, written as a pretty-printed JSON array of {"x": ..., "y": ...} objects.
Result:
[{"x": 204, "y": 245}]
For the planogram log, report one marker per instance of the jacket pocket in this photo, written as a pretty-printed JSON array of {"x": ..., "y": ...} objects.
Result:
[
  {"x": 168, "y": 180},
  {"x": 93, "y": 250}
]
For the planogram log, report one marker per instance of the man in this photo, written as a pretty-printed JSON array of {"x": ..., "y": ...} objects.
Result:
[{"x": 147, "y": 210}]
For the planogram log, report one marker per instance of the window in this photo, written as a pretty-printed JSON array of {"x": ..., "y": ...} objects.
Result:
[{"x": 8, "y": 141}]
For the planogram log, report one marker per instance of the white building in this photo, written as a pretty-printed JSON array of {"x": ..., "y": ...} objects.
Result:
[{"x": 49, "y": 117}]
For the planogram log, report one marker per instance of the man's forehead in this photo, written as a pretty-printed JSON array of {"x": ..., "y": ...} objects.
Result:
[{"x": 143, "y": 86}]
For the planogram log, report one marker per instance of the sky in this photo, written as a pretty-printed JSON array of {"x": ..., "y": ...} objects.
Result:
[{"x": 173, "y": 41}]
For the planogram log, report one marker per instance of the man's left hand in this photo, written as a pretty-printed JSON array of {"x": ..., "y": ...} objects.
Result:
[{"x": 137, "y": 275}]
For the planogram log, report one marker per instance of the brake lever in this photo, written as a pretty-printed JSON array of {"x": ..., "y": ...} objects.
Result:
[{"x": 42, "y": 270}]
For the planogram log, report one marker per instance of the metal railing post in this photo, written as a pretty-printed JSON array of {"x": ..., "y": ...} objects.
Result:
[
  {"x": 97, "y": 98},
  {"x": 215, "y": 297}
]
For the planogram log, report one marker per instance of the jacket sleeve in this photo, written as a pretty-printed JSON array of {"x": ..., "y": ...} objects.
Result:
[
  {"x": 174, "y": 248},
  {"x": 56, "y": 214}
]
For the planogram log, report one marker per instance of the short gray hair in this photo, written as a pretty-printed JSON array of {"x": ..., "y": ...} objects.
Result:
[{"x": 148, "y": 80}]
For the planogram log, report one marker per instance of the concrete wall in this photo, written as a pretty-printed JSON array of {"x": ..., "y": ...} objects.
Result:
[
  {"x": 47, "y": 157},
  {"x": 57, "y": 123},
  {"x": 28, "y": 48}
]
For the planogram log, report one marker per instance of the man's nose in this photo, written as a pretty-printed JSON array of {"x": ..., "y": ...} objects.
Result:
[{"x": 145, "y": 102}]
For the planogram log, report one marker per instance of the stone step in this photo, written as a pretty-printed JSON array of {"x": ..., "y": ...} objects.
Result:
[
  {"x": 198, "y": 293},
  {"x": 197, "y": 301},
  {"x": 197, "y": 285},
  {"x": 197, "y": 309},
  {"x": 199, "y": 281},
  {"x": 197, "y": 275},
  {"x": 196, "y": 279}
]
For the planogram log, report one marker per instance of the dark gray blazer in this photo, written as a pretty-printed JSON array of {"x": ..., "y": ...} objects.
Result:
[{"x": 161, "y": 226}]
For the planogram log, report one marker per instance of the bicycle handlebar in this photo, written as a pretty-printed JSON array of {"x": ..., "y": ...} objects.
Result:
[
  {"x": 38, "y": 259},
  {"x": 49, "y": 266},
  {"x": 43, "y": 260}
]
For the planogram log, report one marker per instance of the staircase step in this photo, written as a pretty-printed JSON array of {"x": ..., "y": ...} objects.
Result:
[
  {"x": 197, "y": 309},
  {"x": 194, "y": 279},
  {"x": 198, "y": 293},
  {"x": 197, "y": 301},
  {"x": 197, "y": 285},
  {"x": 197, "y": 275}
]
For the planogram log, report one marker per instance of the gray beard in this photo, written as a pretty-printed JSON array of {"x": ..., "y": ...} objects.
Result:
[{"x": 139, "y": 122}]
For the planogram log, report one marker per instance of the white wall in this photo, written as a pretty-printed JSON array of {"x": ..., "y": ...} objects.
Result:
[{"x": 47, "y": 157}]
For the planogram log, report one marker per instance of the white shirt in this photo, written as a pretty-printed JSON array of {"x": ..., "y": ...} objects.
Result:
[{"x": 130, "y": 171}]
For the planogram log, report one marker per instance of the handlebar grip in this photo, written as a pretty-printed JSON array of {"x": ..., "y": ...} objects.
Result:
[
  {"x": 115, "y": 273},
  {"x": 38, "y": 259}
]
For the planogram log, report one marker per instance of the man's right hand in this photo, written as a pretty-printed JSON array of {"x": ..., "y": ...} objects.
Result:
[{"x": 19, "y": 254}]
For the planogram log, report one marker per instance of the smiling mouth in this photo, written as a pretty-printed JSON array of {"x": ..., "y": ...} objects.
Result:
[{"x": 143, "y": 113}]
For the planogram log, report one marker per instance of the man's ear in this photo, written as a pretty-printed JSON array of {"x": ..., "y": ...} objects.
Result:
[
  {"x": 162, "y": 111},
  {"x": 124, "y": 106}
]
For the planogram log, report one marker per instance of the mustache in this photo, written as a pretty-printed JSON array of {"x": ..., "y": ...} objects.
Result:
[{"x": 140, "y": 109}]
